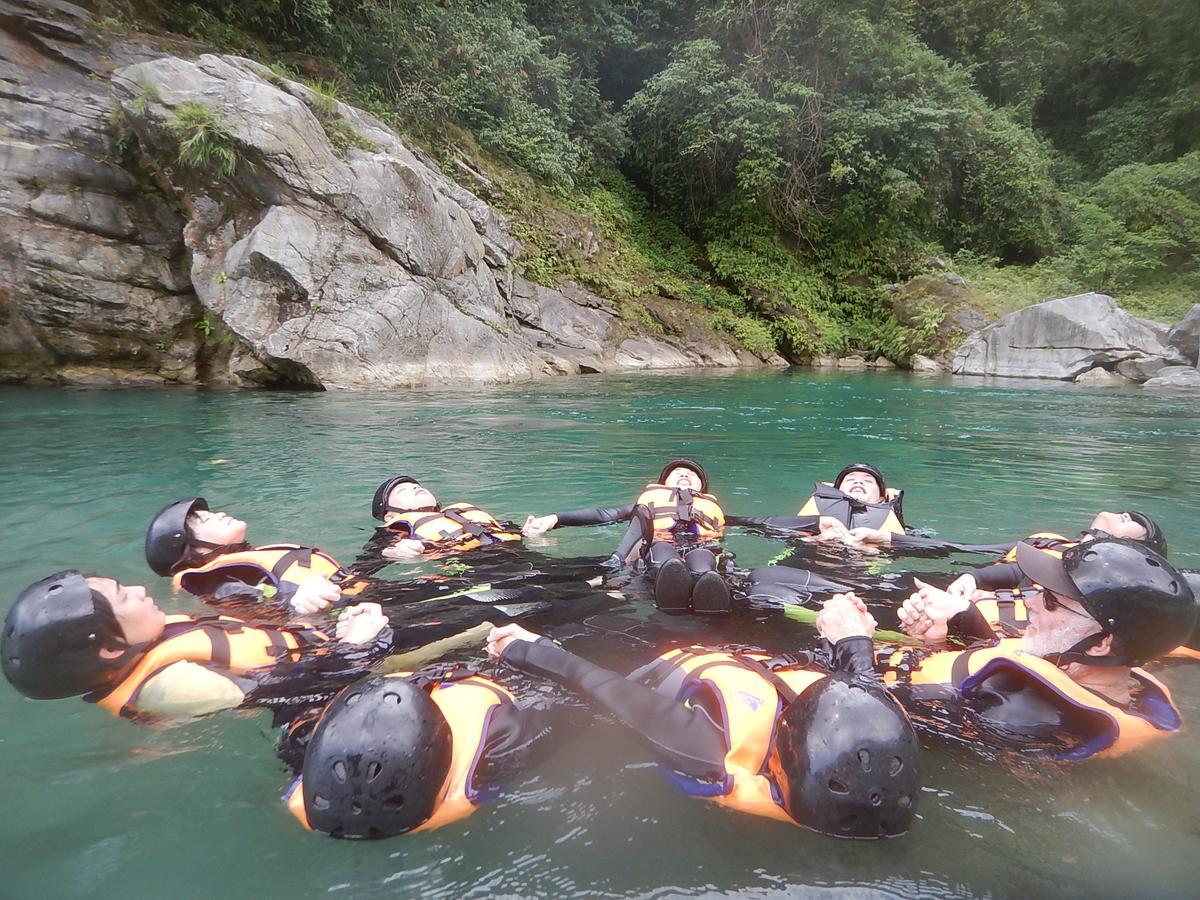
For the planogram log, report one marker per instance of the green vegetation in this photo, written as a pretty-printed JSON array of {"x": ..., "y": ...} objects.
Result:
[
  {"x": 204, "y": 142},
  {"x": 774, "y": 163}
]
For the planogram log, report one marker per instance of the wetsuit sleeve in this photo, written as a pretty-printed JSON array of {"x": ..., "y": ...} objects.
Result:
[
  {"x": 970, "y": 625},
  {"x": 187, "y": 688},
  {"x": 682, "y": 736},
  {"x": 855, "y": 655},
  {"x": 595, "y": 515},
  {"x": 517, "y": 739},
  {"x": 998, "y": 577},
  {"x": 807, "y": 524},
  {"x": 921, "y": 542}
]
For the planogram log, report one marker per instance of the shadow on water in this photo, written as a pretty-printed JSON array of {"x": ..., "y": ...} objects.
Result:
[{"x": 99, "y": 807}]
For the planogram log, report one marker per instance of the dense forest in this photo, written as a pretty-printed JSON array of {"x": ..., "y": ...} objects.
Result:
[{"x": 778, "y": 163}]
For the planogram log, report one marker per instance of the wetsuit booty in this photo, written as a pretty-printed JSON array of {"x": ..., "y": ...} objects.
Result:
[
  {"x": 673, "y": 586},
  {"x": 711, "y": 596}
]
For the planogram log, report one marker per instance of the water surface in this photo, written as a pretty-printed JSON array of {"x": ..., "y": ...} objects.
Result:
[{"x": 102, "y": 808}]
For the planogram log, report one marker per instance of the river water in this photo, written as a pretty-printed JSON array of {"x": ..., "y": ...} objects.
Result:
[{"x": 104, "y": 808}]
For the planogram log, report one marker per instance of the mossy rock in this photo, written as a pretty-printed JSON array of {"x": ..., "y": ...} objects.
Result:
[{"x": 941, "y": 308}]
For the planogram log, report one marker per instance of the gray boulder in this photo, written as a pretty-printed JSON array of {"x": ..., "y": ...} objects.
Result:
[
  {"x": 1185, "y": 337},
  {"x": 925, "y": 365},
  {"x": 1176, "y": 377},
  {"x": 1062, "y": 339},
  {"x": 1099, "y": 377}
]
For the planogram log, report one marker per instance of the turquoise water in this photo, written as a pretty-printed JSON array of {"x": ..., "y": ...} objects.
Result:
[{"x": 103, "y": 808}]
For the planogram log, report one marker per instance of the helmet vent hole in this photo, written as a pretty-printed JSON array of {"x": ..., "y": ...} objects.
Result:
[
  {"x": 1154, "y": 562},
  {"x": 353, "y": 698},
  {"x": 895, "y": 766},
  {"x": 339, "y": 771},
  {"x": 394, "y": 802},
  {"x": 848, "y": 822},
  {"x": 876, "y": 800},
  {"x": 864, "y": 759},
  {"x": 356, "y": 808},
  {"x": 373, "y": 770},
  {"x": 320, "y": 801},
  {"x": 392, "y": 698},
  {"x": 905, "y": 801},
  {"x": 838, "y": 787}
]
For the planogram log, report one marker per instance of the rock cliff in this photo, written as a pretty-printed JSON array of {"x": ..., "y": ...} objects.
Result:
[{"x": 169, "y": 215}]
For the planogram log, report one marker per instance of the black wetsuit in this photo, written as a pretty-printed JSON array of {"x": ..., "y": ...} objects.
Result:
[{"x": 689, "y": 738}]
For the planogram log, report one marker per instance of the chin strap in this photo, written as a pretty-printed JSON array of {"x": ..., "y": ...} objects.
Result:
[{"x": 1078, "y": 654}]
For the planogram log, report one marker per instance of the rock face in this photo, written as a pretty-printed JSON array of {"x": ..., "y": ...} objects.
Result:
[
  {"x": 926, "y": 365},
  {"x": 1064, "y": 338},
  {"x": 1099, "y": 377},
  {"x": 312, "y": 247},
  {"x": 1185, "y": 337}
]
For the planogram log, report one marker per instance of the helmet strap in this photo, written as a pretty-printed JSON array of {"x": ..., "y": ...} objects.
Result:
[{"x": 1078, "y": 654}]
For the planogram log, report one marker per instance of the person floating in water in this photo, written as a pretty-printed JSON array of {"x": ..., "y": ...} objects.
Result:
[
  {"x": 1104, "y": 607},
  {"x": 406, "y": 752},
  {"x": 415, "y": 525},
  {"x": 206, "y": 553},
  {"x": 71, "y": 634},
  {"x": 832, "y": 751},
  {"x": 678, "y": 524},
  {"x": 859, "y": 497}
]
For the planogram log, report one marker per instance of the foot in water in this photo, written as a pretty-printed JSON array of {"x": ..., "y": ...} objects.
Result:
[
  {"x": 673, "y": 587},
  {"x": 711, "y": 596}
]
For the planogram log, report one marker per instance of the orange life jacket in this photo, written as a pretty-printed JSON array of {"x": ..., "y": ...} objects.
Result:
[
  {"x": 459, "y": 525},
  {"x": 227, "y": 643},
  {"x": 1117, "y": 729},
  {"x": 675, "y": 511},
  {"x": 826, "y": 500},
  {"x": 285, "y": 566},
  {"x": 468, "y": 704},
  {"x": 750, "y": 705}
]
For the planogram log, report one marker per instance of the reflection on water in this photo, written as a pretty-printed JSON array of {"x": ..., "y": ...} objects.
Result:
[{"x": 99, "y": 807}]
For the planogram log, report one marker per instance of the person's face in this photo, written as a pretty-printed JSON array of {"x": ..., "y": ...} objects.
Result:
[
  {"x": 136, "y": 612},
  {"x": 862, "y": 486},
  {"x": 1056, "y": 624},
  {"x": 1119, "y": 524},
  {"x": 411, "y": 496},
  {"x": 683, "y": 477},
  {"x": 216, "y": 527}
]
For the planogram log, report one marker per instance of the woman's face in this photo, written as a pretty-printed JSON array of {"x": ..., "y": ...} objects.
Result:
[
  {"x": 682, "y": 477},
  {"x": 216, "y": 528},
  {"x": 410, "y": 495},
  {"x": 1119, "y": 524},
  {"x": 136, "y": 612}
]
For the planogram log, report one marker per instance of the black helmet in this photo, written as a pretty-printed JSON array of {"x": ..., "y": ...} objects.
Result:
[
  {"x": 167, "y": 537},
  {"x": 685, "y": 463},
  {"x": 53, "y": 636},
  {"x": 1133, "y": 593},
  {"x": 848, "y": 759},
  {"x": 377, "y": 760},
  {"x": 1154, "y": 539},
  {"x": 379, "y": 506},
  {"x": 1193, "y": 580},
  {"x": 862, "y": 467}
]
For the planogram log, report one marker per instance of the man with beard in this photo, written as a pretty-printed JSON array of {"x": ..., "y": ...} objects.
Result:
[{"x": 1105, "y": 607}]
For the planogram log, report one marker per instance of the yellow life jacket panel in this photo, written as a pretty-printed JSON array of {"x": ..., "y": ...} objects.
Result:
[
  {"x": 226, "y": 643},
  {"x": 285, "y": 566},
  {"x": 460, "y": 525},
  {"x": 826, "y": 500},
  {"x": 675, "y": 511},
  {"x": 468, "y": 704},
  {"x": 1005, "y": 611},
  {"x": 1113, "y": 729},
  {"x": 750, "y": 705}
]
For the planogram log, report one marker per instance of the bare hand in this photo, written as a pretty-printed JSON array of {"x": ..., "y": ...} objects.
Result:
[
  {"x": 949, "y": 605},
  {"x": 922, "y": 620},
  {"x": 315, "y": 594},
  {"x": 830, "y": 529},
  {"x": 963, "y": 587},
  {"x": 842, "y": 616},
  {"x": 870, "y": 536},
  {"x": 360, "y": 624},
  {"x": 536, "y": 526},
  {"x": 498, "y": 639},
  {"x": 405, "y": 548}
]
